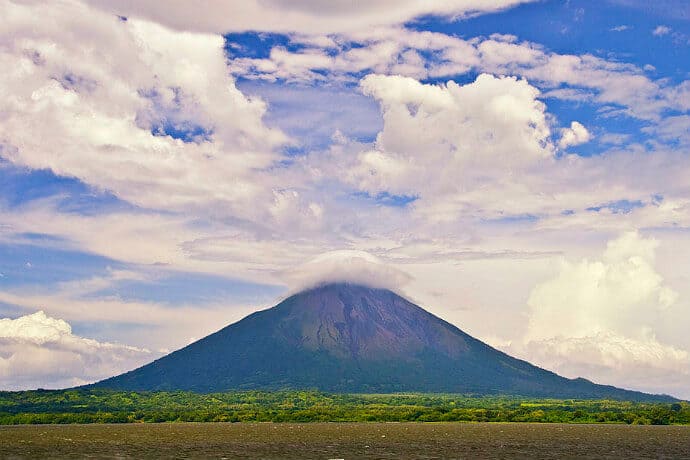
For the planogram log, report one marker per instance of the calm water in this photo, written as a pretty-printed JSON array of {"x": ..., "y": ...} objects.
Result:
[{"x": 344, "y": 440}]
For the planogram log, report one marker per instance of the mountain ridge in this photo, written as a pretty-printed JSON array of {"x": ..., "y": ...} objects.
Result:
[{"x": 343, "y": 337}]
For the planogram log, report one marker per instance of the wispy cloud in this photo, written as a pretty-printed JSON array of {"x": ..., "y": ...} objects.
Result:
[
  {"x": 425, "y": 55},
  {"x": 660, "y": 31}
]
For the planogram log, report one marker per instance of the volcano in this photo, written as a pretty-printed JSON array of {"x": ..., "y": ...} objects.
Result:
[{"x": 354, "y": 339}]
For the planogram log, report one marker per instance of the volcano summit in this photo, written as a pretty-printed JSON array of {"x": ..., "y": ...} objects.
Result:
[{"x": 350, "y": 338}]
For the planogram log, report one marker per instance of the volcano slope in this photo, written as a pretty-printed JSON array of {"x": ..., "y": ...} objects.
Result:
[{"x": 355, "y": 339}]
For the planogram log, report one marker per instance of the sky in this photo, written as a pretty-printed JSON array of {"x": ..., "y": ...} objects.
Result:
[{"x": 519, "y": 168}]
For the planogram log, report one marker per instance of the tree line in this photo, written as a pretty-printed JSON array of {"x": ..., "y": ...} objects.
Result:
[{"x": 105, "y": 406}]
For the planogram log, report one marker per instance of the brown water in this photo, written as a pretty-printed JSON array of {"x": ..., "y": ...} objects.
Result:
[{"x": 345, "y": 441}]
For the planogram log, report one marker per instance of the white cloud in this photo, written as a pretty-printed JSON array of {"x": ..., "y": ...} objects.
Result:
[
  {"x": 74, "y": 302},
  {"x": 39, "y": 351},
  {"x": 423, "y": 54},
  {"x": 508, "y": 38},
  {"x": 218, "y": 16},
  {"x": 680, "y": 95},
  {"x": 347, "y": 266},
  {"x": 493, "y": 161},
  {"x": 143, "y": 323},
  {"x": 81, "y": 112},
  {"x": 674, "y": 128},
  {"x": 177, "y": 242},
  {"x": 312, "y": 114},
  {"x": 484, "y": 151},
  {"x": 661, "y": 31},
  {"x": 575, "y": 135},
  {"x": 642, "y": 364},
  {"x": 614, "y": 138},
  {"x": 589, "y": 297},
  {"x": 445, "y": 139},
  {"x": 597, "y": 319},
  {"x": 398, "y": 51}
]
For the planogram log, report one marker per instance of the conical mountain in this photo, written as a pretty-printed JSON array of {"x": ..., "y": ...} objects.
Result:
[{"x": 351, "y": 338}]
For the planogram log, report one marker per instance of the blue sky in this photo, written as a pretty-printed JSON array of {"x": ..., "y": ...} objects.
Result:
[
  {"x": 615, "y": 31},
  {"x": 190, "y": 166},
  {"x": 609, "y": 29}
]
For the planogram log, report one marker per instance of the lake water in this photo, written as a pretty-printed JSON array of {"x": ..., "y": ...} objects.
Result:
[{"x": 345, "y": 441}]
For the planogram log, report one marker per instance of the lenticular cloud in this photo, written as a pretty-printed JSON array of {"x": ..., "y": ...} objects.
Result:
[{"x": 357, "y": 267}]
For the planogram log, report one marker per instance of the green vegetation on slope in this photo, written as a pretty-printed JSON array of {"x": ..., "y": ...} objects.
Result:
[{"x": 105, "y": 406}]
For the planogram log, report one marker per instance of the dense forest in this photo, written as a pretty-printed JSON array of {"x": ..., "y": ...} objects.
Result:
[{"x": 106, "y": 406}]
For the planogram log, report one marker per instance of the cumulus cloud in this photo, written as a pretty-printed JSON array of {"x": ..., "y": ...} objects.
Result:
[
  {"x": 486, "y": 150},
  {"x": 346, "y": 266},
  {"x": 445, "y": 138},
  {"x": 113, "y": 136},
  {"x": 168, "y": 130},
  {"x": 39, "y": 351},
  {"x": 642, "y": 364},
  {"x": 219, "y": 16},
  {"x": 575, "y": 135},
  {"x": 480, "y": 150},
  {"x": 597, "y": 319}
]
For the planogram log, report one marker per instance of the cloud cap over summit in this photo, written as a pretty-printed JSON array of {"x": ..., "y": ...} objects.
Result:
[{"x": 346, "y": 266}]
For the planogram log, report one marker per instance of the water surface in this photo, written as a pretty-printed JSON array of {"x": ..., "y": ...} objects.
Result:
[{"x": 344, "y": 441}]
